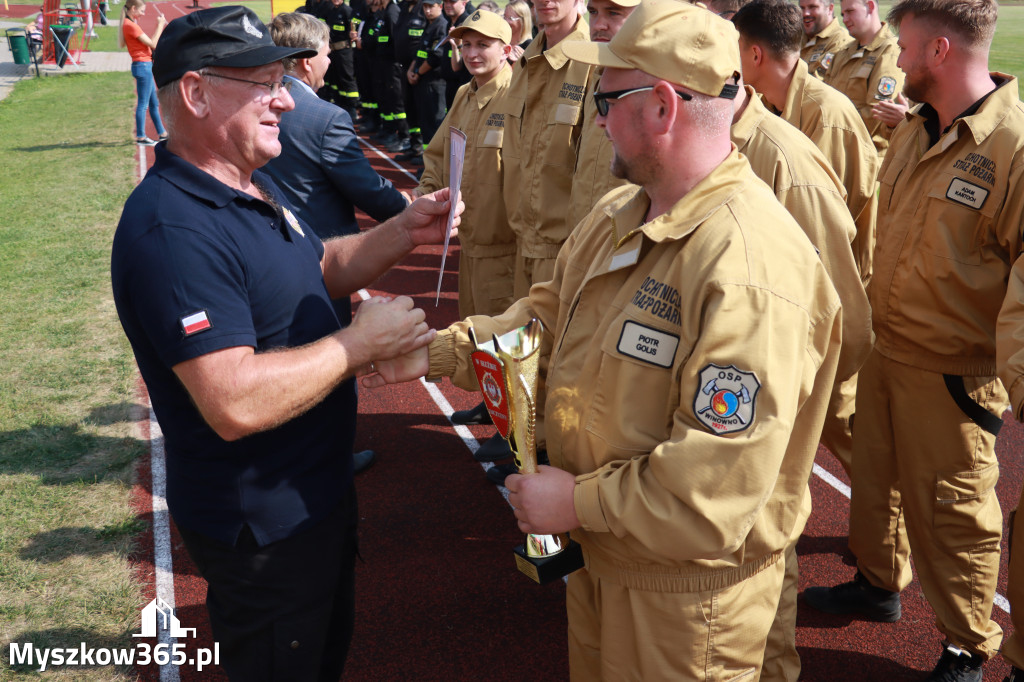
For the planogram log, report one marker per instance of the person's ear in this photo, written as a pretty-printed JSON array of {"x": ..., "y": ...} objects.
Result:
[{"x": 195, "y": 92}]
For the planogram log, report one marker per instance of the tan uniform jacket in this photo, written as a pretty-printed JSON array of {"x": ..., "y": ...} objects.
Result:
[
  {"x": 543, "y": 124},
  {"x": 867, "y": 75},
  {"x": 820, "y": 50},
  {"x": 484, "y": 232},
  {"x": 804, "y": 183},
  {"x": 1010, "y": 340},
  {"x": 644, "y": 324},
  {"x": 828, "y": 117},
  {"x": 950, "y": 219},
  {"x": 593, "y": 178}
]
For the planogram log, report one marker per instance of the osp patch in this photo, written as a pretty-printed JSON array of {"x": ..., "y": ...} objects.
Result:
[
  {"x": 886, "y": 87},
  {"x": 725, "y": 398}
]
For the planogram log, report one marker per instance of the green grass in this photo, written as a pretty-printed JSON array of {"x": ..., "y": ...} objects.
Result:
[{"x": 66, "y": 373}]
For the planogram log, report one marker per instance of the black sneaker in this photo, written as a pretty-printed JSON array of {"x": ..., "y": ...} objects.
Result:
[
  {"x": 494, "y": 449},
  {"x": 956, "y": 665},
  {"x": 1016, "y": 675},
  {"x": 858, "y": 598},
  {"x": 499, "y": 472},
  {"x": 477, "y": 415}
]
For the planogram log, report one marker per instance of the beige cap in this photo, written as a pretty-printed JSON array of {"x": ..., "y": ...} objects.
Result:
[
  {"x": 491, "y": 24},
  {"x": 626, "y": 3},
  {"x": 674, "y": 41}
]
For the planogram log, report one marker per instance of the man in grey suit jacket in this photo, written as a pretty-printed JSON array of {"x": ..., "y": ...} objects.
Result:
[{"x": 322, "y": 170}]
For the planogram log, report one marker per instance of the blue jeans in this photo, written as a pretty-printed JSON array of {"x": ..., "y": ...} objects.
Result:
[{"x": 146, "y": 88}]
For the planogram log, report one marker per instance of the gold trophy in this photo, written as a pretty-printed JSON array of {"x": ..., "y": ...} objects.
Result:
[{"x": 508, "y": 369}]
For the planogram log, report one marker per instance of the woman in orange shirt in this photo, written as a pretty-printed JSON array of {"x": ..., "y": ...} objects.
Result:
[{"x": 140, "y": 47}]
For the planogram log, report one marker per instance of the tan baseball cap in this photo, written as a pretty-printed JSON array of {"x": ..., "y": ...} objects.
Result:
[
  {"x": 674, "y": 41},
  {"x": 626, "y": 3},
  {"x": 491, "y": 24}
]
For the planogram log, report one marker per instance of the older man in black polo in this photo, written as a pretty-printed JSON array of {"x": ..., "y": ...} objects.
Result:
[{"x": 225, "y": 297}]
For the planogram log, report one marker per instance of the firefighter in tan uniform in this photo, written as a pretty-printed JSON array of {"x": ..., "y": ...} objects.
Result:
[
  {"x": 488, "y": 244},
  {"x": 1010, "y": 357},
  {"x": 865, "y": 70},
  {"x": 810, "y": 190},
  {"x": 543, "y": 124},
  {"x": 824, "y": 35},
  {"x": 928, "y": 402},
  {"x": 693, "y": 336},
  {"x": 593, "y": 177},
  {"x": 488, "y": 257},
  {"x": 769, "y": 44}
]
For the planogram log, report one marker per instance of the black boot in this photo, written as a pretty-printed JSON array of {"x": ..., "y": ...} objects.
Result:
[{"x": 857, "y": 597}]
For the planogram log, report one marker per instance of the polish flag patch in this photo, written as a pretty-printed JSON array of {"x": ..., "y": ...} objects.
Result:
[{"x": 195, "y": 323}]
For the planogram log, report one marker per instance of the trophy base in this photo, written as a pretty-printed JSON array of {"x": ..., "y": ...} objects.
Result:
[{"x": 543, "y": 570}]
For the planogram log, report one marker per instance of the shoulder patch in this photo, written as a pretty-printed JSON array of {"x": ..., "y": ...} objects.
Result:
[
  {"x": 886, "y": 86},
  {"x": 826, "y": 60},
  {"x": 725, "y": 399}
]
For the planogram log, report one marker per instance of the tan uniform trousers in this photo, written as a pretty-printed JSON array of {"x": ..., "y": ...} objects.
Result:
[
  {"x": 529, "y": 271},
  {"x": 1013, "y": 647},
  {"x": 617, "y": 633},
  {"x": 781, "y": 660},
  {"x": 485, "y": 285},
  {"x": 917, "y": 455}
]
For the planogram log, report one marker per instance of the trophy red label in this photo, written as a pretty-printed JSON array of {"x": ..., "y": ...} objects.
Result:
[{"x": 492, "y": 385}]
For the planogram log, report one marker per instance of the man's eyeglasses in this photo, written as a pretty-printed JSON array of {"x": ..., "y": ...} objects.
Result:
[
  {"x": 275, "y": 87},
  {"x": 603, "y": 100}
]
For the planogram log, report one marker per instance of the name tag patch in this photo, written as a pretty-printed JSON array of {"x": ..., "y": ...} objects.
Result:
[
  {"x": 493, "y": 138},
  {"x": 567, "y": 114},
  {"x": 725, "y": 398},
  {"x": 963, "y": 192},
  {"x": 648, "y": 344}
]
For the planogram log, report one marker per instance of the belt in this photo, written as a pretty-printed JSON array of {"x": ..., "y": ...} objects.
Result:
[{"x": 341, "y": 45}]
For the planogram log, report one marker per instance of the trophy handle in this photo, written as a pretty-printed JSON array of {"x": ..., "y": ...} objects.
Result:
[{"x": 528, "y": 465}]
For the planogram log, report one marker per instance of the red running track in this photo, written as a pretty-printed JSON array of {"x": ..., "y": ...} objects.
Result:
[{"x": 439, "y": 597}]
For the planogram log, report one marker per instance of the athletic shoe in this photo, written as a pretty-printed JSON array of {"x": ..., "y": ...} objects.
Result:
[
  {"x": 1016, "y": 675},
  {"x": 499, "y": 472},
  {"x": 956, "y": 665},
  {"x": 144, "y": 141},
  {"x": 362, "y": 460},
  {"x": 477, "y": 415},
  {"x": 493, "y": 450},
  {"x": 856, "y": 598}
]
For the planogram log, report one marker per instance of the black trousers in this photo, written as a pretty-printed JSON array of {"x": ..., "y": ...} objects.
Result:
[
  {"x": 388, "y": 87},
  {"x": 430, "y": 103},
  {"x": 341, "y": 79},
  {"x": 283, "y": 612}
]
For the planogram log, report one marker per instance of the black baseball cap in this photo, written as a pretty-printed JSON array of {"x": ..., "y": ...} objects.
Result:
[{"x": 222, "y": 36}]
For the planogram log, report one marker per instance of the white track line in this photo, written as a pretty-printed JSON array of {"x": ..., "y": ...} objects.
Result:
[
  {"x": 999, "y": 600},
  {"x": 162, "y": 559},
  {"x": 389, "y": 160}
]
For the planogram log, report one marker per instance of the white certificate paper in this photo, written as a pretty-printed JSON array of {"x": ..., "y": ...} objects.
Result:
[{"x": 457, "y": 155}]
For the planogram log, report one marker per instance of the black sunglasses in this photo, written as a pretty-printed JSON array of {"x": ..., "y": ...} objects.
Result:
[{"x": 603, "y": 99}]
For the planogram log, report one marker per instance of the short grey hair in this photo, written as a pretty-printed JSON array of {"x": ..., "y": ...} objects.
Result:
[{"x": 296, "y": 29}]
